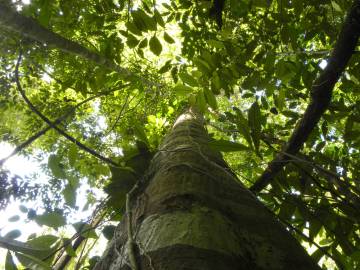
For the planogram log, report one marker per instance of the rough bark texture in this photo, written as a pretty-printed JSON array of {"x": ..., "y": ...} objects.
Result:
[{"x": 191, "y": 212}]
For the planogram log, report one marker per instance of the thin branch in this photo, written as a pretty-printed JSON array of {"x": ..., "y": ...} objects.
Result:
[
  {"x": 30, "y": 140},
  {"x": 120, "y": 114},
  {"x": 30, "y": 28},
  {"x": 308, "y": 239},
  {"x": 94, "y": 222},
  {"x": 321, "y": 93},
  {"x": 52, "y": 124}
]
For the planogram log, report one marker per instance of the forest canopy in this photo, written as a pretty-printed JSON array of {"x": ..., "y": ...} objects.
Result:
[{"x": 90, "y": 89}]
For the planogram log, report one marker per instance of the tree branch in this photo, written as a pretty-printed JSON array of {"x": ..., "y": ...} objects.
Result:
[
  {"x": 52, "y": 124},
  {"x": 30, "y": 28},
  {"x": 30, "y": 140},
  {"x": 321, "y": 93}
]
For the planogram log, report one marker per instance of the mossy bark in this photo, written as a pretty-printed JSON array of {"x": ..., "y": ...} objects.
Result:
[{"x": 193, "y": 213}]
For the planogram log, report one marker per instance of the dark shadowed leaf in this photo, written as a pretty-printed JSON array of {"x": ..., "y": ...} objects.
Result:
[
  {"x": 168, "y": 38},
  {"x": 155, "y": 45},
  {"x": 13, "y": 234},
  {"x": 227, "y": 146},
  {"x": 9, "y": 262}
]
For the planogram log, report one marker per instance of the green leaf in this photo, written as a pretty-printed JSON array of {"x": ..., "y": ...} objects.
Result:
[
  {"x": 139, "y": 20},
  {"x": 201, "y": 102},
  {"x": 108, "y": 231},
  {"x": 182, "y": 90},
  {"x": 13, "y": 234},
  {"x": 9, "y": 262},
  {"x": 227, "y": 146},
  {"x": 53, "y": 220},
  {"x": 166, "y": 67},
  {"x": 254, "y": 120},
  {"x": 140, "y": 132},
  {"x": 23, "y": 209},
  {"x": 68, "y": 247},
  {"x": 188, "y": 79},
  {"x": 155, "y": 45},
  {"x": 45, "y": 13},
  {"x": 336, "y": 6},
  {"x": 280, "y": 99},
  {"x": 326, "y": 242},
  {"x": 32, "y": 262},
  {"x": 132, "y": 28},
  {"x": 143, "y": 43},
  {"x": 314, "y": 229},
  {"x": 73, "y": 154},
  {"x": 43, "y": 241},
  {"x": 14, "y": 218},
  {"x": 210, "y": 98},
  {"x": 85, "y": 230},
  {"x": 56, "y": 167},
  {"x": 202, "y": 66},
  {"x": 159, "y": 18},
  {"x": 25, "y": 248},
  {"x": 215, "y": 80},
  {"x": 261, "y": 3},
  {"x": 69, "y": 193},
  {"x": 243, "y": 127},
  {"x": 131, "y": 41},
  {"x": 168, "y": 38},
  {"x": 174, "y": 74}
]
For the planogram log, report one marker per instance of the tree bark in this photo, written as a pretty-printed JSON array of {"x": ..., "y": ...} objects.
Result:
[{"x": 191, "y": 212}]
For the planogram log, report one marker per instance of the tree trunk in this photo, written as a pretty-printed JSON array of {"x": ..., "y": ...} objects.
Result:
[{"x": 191, "y": 212}]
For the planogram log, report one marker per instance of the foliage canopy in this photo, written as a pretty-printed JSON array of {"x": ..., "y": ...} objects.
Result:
[{"x": 119, "y": 72}]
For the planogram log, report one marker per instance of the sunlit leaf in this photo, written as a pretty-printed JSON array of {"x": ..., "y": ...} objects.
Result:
[
  {"x": 56, "y": 167},
  {"x": 210, "y": 98},
  {"x": 182, "y": 90},
  {"x": 336, "y": 6},
  {"x": 188, "y": 79},
  {"x": 52, "y": 219}
]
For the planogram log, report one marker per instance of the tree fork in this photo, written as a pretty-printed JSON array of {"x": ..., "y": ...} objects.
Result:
[{"x": 193, "y": 213}]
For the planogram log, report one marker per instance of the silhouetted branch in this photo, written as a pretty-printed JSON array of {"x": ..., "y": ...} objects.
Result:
[
  {"x": 52, "y": 124},
  {"x": 25, "y": 144},
  {"x": 321, "y": 93}
]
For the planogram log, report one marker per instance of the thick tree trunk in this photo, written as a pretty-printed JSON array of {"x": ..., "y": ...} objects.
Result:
[{"x": 191, "y": 212}]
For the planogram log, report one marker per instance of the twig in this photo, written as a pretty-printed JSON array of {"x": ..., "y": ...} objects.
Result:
[
  {"x": 25, "y": 144},
  {"x": 52, "y": 124},
  {"x": 308, "y": 239}
]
